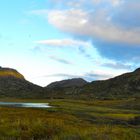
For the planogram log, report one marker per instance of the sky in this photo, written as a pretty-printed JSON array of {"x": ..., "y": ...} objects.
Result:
[{"x": 52, "y": 40}]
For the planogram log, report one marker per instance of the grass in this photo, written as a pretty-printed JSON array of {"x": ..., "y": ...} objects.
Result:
[
  {"x": 71, "y": 120},
  {"x": 10, "y": 73}
]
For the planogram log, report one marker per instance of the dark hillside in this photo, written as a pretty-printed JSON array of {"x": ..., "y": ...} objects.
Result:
[{"x": 13, "y": 84}]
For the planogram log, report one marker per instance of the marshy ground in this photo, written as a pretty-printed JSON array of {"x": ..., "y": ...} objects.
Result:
[{"x": 72, "y": 120}]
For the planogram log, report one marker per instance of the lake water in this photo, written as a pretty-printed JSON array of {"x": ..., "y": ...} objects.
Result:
[{"x": 27, "y": 105}]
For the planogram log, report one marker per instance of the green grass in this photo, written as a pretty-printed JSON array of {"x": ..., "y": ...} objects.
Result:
[{"x": 71, "y": 120}]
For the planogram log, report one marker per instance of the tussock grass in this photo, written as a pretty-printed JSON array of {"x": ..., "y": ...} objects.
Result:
[{"x": 71, "y": 120}]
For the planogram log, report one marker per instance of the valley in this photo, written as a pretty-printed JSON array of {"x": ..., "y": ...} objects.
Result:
[
  {"x": 79, "y": 110},
  {"x": 72, "y": 120}
]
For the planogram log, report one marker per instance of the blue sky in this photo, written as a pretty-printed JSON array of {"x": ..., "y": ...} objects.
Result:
[{"x": 51, "y": 40}]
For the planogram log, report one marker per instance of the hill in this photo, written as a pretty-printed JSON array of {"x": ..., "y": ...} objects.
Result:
[
  {"x": 123, "y": 86},
  {"x": 8, "y": 72},
  {"x": 13, "y": 84},
  {"x": 64, "y": 88},
  {"x": 76, "y": 82}
]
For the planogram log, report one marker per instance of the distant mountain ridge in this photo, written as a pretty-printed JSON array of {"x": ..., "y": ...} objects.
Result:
[
  {"x": 65, "y": 88},
  {"x": 125, "y": 85},
  {"x": 13, "y": 84},
  {"x": 75, "y": 82}
]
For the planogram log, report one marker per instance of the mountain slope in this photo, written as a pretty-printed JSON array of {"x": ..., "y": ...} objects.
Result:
[
  {"x": 76, "y": 82},
  {"x": 125, "y": 85},
  {"x": 13, "y": 84},
  {"x": 65, "y": 88}
]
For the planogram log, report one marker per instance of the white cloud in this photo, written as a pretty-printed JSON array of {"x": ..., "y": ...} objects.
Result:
[
  {"x": 115, "y": 2},
  {"x": 117, "y": 65},
  {"x": 95, "y": 68},
  {"x": 61, "y": 60},
  {"x": 93, "y": 25},
  {"x": 89, "y": 76},
  {"x": 83, "y": 48},
  {"x": 63, "y": 43},
  {"x": 93, "y": 22}
]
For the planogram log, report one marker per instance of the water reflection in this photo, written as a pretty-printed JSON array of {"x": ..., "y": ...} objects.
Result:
[{"x": 27, "y": 105}]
